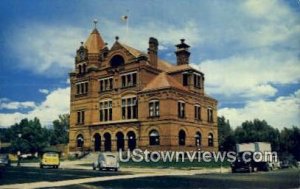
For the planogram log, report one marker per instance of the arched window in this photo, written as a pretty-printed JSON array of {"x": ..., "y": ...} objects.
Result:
[
  {"x": 97, "y": 142},
  {"x": 120, "y": 141},
  {"x": 198, "y": 139},
  {"x": 117, "y": 61},
  {"x": 153, "y": 137},
  {"x": 80, "y": 69},
  {"x": 181, "y": 138},
  {"x": 131, "y": 140},
  {"x": 210, "y": 139},
  {"x": 84, "y": 68},
  {"x": 80, "y": 141}
]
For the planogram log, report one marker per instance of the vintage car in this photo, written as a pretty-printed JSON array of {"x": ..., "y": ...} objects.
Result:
[
  {"x": 50, "y": 159},
  {"x": 106, "y": 161}
]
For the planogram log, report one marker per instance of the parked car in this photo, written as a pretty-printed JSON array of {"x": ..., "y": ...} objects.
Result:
[
  {"x": 285, "y": 164},
  {"x": 50, "y": 159},
  {"x": 4, "y": 160},
  {"x": 106, "y": 161}
]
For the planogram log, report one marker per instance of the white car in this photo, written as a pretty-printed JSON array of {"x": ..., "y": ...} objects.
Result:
[{"x": 106, "y": 161}]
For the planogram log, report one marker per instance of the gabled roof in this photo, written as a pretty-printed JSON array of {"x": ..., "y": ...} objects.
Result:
[
  {"x": 163, "y": 81},
  {"x": 161, "y": 64},
  {"x": 94, "y": 43},
  {"x": 182, "y": 67}
]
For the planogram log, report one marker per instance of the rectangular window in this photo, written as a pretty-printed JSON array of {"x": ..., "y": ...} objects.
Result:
[
  {"x": 129, "y": 108},
  {"x": 80, "y": 117},
  {"x": 106, "y": 84},
  {"x": 181, "y": 109},
  {"x": 210, "y": 115},
  {"x": 82, "y": 88},
  {"x": 106, "y": 110},
  {"x": 129, "y": 80},
  {"x": 198, "y": 81},
  {"x": 185, "y": 79},
  {"x": 197, "y": 112},
  {"x": 154, "y": 108}
]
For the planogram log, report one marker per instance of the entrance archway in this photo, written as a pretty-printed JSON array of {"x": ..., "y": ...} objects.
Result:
[
  {"x": 120, "y": 141},
  {"x": 107, "y": 142},
  {"x": 131, "y": 140},
  {"x": 97, "y": 142}
]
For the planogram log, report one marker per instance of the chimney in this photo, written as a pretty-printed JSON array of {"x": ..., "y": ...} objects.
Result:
[
  {"x": 152, "y": 51},
  {"x": 182, "y": 53}
]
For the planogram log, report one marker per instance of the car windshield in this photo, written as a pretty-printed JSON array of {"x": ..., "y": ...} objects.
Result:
[
  {"x": 3, "y": 156},
  {"x": 51, "y": 154},
  {"x": 111, "y": 157}
]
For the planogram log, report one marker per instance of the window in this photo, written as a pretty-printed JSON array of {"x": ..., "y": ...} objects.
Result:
[
  {"x": 210, "y": 139},
  {"x": 117, "y": 61},
  {"x": 181, "y": 109},
  {"x": 197, "y": 112},
  {"x": 82, "y": 69},
  {"x": 197, "y": 81},
  {"x": 106, "y": 110},
  {"x": 80, "y": 141},
  {"x": 80, "y": 117},
  {"x": 82, "y": 88},
  {"x": 198, "y": 139},
  {"x": 106, "y": 84},
  {"x": 129, "y": 80},
  {"x": 153, "y": 138},
  {"x": 154, "y": 108},
  {"x": 210, "y": 115},
  {"x": 181, "y": 138},
  {"x": 185, "y": 79},
  {"x": 129, "y": 108}
]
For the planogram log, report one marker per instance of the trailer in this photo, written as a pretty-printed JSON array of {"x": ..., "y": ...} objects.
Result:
[{"x": 255, "y": 156}]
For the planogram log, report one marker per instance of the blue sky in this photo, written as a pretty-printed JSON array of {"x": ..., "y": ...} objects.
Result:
[{"x": 248, "y": 50}]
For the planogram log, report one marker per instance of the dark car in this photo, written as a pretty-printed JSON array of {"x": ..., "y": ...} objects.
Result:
[
  {"x": 4, "y": 160},
  {"x": 285, "y": 164}
]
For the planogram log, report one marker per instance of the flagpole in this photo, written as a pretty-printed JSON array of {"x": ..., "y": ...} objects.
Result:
[{"x": 127, "y": 25}]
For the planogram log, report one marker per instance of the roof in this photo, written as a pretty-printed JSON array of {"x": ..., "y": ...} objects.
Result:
[
  {"x": 163, "y": 81},
  {"x": 161, "y": 64},
  {"x": 182, "y": 67},
  {"x": 94, "y": 43}
]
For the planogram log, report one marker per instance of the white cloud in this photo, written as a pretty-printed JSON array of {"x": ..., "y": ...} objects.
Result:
[
  {"x": 12, "y": 105},
  {"x": 250, "y": 75},
  {"x": 46, "y": 49},
  {"x": 44, "y": 91},
  {"x": 57, "y": 102},
  {"x": 282, "y": 112}
]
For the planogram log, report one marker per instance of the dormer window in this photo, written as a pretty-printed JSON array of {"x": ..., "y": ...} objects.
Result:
[
  {"x": 185, "y": 79},
  {"x": 197, "y": 80},
  {"x": 117, "y": 61}
]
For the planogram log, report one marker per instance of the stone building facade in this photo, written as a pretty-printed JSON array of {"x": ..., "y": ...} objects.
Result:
[{"x": 123, "y": 98}]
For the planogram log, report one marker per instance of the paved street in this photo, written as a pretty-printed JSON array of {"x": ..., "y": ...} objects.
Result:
[{"x": 27, "y": 177}]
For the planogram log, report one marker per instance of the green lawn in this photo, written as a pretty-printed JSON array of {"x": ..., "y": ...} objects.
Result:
[{"x": 178, "y": 165}]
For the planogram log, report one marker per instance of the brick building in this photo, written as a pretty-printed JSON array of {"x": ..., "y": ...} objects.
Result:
[{"x": 123, "y": 98}]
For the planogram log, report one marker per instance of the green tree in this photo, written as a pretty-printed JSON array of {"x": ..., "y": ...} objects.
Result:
[
  {"x": 226, "y": 135},
  {"x": 60, "y": 131},
  {"x": 258, "y": 131},
  {"x": 33, "y": 138},
  {"x": 290, "y": 142}
]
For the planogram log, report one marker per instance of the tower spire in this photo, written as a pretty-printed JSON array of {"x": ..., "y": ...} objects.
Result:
[{"x": 95, "y": 23}]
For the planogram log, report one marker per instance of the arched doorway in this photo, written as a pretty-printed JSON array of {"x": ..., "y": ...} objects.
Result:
[
  {"x": 198, "y": 139},
  {"x": 80, "y": 141},
  {"x": 97, "y": 142},
  {"x": 107, "y": 142},
  {"x": 181, "y": 138},
  {"x": 131, "y": 140},
  {"x": 120, "y": 141},
  {"x": 154, "y": 138}
]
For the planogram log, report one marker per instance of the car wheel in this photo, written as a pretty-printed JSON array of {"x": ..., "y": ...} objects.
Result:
[
  {"x": 41, "y": 166},
  {"x": 116, "y": 169}
]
